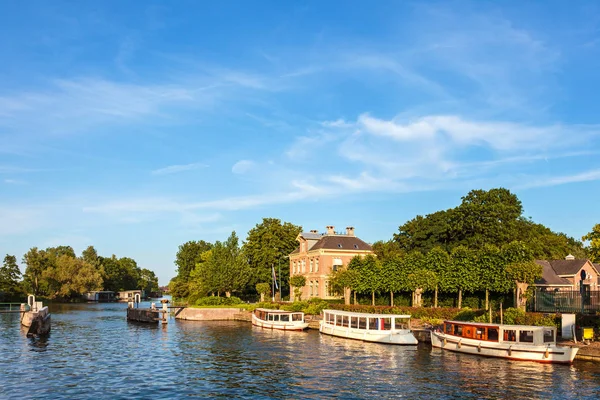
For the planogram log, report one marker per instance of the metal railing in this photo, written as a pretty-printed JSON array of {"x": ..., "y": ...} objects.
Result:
[
  {"x": 566, "y": 301},
  {"x": 12, "y": 307}
]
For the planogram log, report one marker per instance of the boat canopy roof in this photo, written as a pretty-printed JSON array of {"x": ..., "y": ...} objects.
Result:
[
  {"x": 503, "y": 326},
  {"x": 268, "y": 310},
  {"x": 358, "y": 314}
]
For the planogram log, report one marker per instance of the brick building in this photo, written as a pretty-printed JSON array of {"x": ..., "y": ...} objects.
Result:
[{"x": 321, "y": 253}]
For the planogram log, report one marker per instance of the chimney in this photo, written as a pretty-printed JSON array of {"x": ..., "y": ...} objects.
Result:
[
  {"x": 350, "y": 230},
  {"x": 314, "y": 231},
  {"x": 570, "y": 257},
  {"x": 330, "y": 230}
]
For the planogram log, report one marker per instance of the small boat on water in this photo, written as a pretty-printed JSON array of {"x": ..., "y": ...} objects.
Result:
[
  {"x": 380, "y": 328},
  {"x": 279, "y": 319},
  {"x": 514, "y": 342},
  {"x": 37, "y": 319}
]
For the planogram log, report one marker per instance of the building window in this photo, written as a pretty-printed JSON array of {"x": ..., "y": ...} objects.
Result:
[
  {"x": 310, "y": 286},
  {"x": 317, "y": 265},
  {"x": 340, "y": 245},
  {"x": 356, "y": 246},
  {"x": 303, "y": 266},
  {"x": 294, "y": 267},
  {"x": 327, "y": 292},
  {"x": 311, "y": 265},
  {"x": 317, "y": 288}
]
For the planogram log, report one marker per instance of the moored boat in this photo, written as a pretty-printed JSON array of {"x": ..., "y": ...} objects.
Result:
[
  {"x": 380, "y": 328},
  {"x": 279, "y": 319},
  {"x": 514, "y": 342}
]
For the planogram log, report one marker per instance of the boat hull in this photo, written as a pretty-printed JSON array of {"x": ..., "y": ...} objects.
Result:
[
  {"x": 279, "y": 325},
  {"x": 519, "y": 352},
  {"x": 401, "y": 337}
]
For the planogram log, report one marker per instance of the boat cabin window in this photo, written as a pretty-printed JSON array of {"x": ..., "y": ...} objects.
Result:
[
  {"x": 548, "y": 335},
  {"x": 297, "y": 317},
  {"x": 270, "y": 317},
  {"x": 526, "y": 336},
  {"x": 401, "y": 323},
  {"x": 458, "y": 330},
  {"x": 353, "y": 322},
  {"x": 448, "y": 328},
  {"x": 284, "y": 317},
  {"x": 330, "y": 318},
  {"x": 386, "y": 324},
  {"x": 492, "y": 334},
  {"x": 373, "y": 323},
  {"x": 510, "y": 335},
  {"x": 345, "y": 321},
  {"x": 362, "y": 323}
]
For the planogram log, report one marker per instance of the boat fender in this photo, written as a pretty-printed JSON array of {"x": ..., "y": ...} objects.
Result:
[
  {"x": 479, "y": 348},
  {"x": 459, "y": 344},
  {"x": 547, "y": 353},
  {"x": 510, "y": 350},
  {"x": 445, "y": 341}
]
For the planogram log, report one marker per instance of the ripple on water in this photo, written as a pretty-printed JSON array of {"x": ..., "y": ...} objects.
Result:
[{"x": 92, "y": 352}]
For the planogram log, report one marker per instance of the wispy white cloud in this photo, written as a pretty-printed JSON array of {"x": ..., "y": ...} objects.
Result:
[
  {"x": 544, "y": 181},
  {"x": 173, "y": 169},
  {"x": 15, "y": 182},
  {"x": 242, "y": 166}
]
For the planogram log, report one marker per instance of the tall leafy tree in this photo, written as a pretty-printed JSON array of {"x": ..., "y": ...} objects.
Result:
[
  {"x": 421, "y": 280},
  {"x": 393, "y": 276},
  {"x": 71, "y": 276},
  {"x": 370, "y": 277},
  {"x": 594, "y": 246},
  {"x": 268, "y": 245},
  {"x": 438, "y": 261},
  {"x": 492, "y": 275},
  {"x": 37, "y": 262},
  {"x": 462, "y": 276},
  {"x": 298, "y": 282},
  {"x": 188, "y": 255},
  {"x": 9, "y": 276},
  {"x": 148, "y": 281}
]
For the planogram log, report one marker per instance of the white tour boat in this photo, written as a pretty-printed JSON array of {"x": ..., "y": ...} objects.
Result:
[
  {"x": 380, "y": 328},
  {"x": 279, "y": 319},
  {"x": 515, "y": 342}
]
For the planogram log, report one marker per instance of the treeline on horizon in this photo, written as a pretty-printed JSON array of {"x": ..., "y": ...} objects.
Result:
[
  {"x": 484, "y": 244},
  {"x": 58, "y": 273}
]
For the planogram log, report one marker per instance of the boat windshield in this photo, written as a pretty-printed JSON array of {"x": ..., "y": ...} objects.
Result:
[
  {"x": 548, "y": 335},
  {"x": 297, "y": 317},
  {"x": 284, "y": 317}
]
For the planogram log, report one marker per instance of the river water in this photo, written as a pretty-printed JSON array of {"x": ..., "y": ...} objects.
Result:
[{"x": 93, "y": 352}]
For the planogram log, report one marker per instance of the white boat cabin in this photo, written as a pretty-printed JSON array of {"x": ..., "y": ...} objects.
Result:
[
  {"x": 517, "y": 334},
  {"x": 279, "y": 315},
  {"x": 378, "y": 322}
]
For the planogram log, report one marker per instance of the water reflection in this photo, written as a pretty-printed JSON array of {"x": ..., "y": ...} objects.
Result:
[{"x": 93, "y": 351}]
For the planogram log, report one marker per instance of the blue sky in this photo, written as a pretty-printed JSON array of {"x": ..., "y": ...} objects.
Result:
[{"x": 136, "y": 126}]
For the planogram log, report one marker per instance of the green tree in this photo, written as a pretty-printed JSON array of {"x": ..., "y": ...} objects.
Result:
[
  {"x": 369, "y": 275},
  {"x": 37, "y": 262},
  {"x": 492, "y": 275},
  {"x": 462, "y": 276},
  {"x": 263, "y": 289},
  {"x": 69, "y": 277},
  {"x": 178, "y": 288},
  {"x": 393, "y": 276},
  {"x": 148, "y": 281},
  {"x": 594, "y": 247},
  {"x": 385, "y": 250},
  {"x": 343, "y": 280},
  {"x": 9, "y": 277},
  {"x": 297, "y": 282},
  {"x": 188, "y": 255},
  {"x": 267, "y": 245},
  {"x": 421, "y": 280},
  {"x": 438, "y": 261}
]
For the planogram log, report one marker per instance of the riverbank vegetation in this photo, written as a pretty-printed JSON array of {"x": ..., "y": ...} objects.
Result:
[
  {"x": 477, "y": 254},
  {"x": 58, "y": 273}
]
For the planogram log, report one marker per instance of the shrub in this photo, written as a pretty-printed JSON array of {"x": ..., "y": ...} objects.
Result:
[
  {"x": 295, "y": 306},
  {"x": 218, "y": 301},
  {"x": 513, "y": 316},
  {"x": 315, "y": 308}
]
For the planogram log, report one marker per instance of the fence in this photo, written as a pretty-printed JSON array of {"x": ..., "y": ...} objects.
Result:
[{"x": 566, "y": 301}]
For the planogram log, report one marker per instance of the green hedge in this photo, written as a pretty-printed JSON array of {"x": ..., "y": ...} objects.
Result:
[{"x": 218, "y": 301}]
